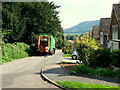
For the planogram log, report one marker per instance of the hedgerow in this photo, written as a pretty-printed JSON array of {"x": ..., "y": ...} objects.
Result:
[{"x": 15, "y": 50}]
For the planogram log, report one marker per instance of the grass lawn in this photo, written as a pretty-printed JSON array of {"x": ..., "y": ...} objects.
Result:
[
  {"x": 73, "y": 84},
  {"x": 67, "y": 55}
]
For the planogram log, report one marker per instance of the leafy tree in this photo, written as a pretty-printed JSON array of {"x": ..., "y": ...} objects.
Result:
[
  {"x": 2, "y": 33},
  {"x": 26, "y": 19},
  {"x": 71, "y": 37},
  {"x": 85, "y": 45},
  {"x": 12, "y": 20}
]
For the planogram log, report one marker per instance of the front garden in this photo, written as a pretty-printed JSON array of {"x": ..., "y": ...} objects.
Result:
[{"x": 97, "y": 61}]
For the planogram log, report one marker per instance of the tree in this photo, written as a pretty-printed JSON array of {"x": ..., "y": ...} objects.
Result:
[
  {"x": 26, "y": 19},
  {"x": 71, "y": 37},
  {"x": 2, "y": 33},
  {"x": 85, "y": 45}
]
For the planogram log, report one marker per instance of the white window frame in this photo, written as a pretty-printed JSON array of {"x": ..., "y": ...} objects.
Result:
[{"x": 115, "y": 32}]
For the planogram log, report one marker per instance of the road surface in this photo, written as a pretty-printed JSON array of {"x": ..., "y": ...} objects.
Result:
[{"x": 25, "y": 73}]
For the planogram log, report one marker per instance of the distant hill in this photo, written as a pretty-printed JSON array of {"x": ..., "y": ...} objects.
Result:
[{"x": 82, "y": 27}]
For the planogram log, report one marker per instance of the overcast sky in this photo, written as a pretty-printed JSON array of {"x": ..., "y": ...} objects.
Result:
[{"x": 73, "y": 12}]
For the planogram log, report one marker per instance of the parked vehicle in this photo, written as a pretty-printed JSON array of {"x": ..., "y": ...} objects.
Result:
[
  {"x": 74, "y": 55},
  {"x": 46, "y": 40}
]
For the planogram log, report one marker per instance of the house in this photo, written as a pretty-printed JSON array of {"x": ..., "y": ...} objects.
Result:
[
  {"x": 95, "y": 32},
  {"x": 104, "y": 32},
  {"x": 115, "y": 27},
  {"x": 90, "y": 33}
]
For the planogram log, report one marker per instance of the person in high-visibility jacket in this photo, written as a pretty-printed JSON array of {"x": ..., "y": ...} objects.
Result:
[{"x": 46, "y": 50}]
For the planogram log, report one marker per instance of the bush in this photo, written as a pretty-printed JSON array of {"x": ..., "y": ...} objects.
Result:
[
  {"x": 82, "y": 69},
  {"x": 116, "y": 58},
  {"x": 68, "y": 47},
  {"x": 85, "y": 46},
  {"x": 84, "y": 54},
  {"x": 14, "y": 51},
  {"x": 100, "y": 58},
  {"x": 22, "y": 46},
  {"x": 66, "y": 51}
]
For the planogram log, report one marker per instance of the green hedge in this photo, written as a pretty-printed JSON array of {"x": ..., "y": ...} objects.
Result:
[
  {"x": 104, "y": 58},
  {"x": 116, "y": 58},
  {"x": 82, "y": 69},
  {"x": 22, "y": 46},
  {"x": 100, "y": 58},
  {"x": 15, "y": 51}
]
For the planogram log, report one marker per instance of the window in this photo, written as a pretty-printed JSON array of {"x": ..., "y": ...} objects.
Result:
[{"x": 115, "y": 32}]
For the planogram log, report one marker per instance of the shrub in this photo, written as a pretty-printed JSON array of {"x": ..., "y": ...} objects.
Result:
[
  {"x": 82, "y": 69},
  {"x": 15, "y": 51},
  {"x": 66, "y": 51},
  {"x": 25, "y": 48},
  {"x": 116, "y": 58},
  {"x": 100, "y": 58},
  {"x": 84, "y": 53},
  {"x": 22, "y": 46},
  {"x": 68, "y": 47},
  {"x": 85, "y": 46},
  {"x": 11, "y": 51}
]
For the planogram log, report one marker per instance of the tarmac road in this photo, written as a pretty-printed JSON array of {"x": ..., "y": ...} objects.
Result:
[{"x": 25, "y": 73}]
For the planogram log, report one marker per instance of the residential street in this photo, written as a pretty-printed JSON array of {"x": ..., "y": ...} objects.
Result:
[
  {"x": 82, "y": 38},
  {"x": 25, "y": 73}
]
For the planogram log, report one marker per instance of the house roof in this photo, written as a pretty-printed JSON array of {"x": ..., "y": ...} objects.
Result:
[
  {"x": 95, "y": 28},
  {"x": 104, "y": 25},
  {"x": 95, "y": 31},
  {"x": 116, "y": 8}
]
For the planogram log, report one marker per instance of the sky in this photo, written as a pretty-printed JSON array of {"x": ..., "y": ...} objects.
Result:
[{"x": 72, "y": 12}]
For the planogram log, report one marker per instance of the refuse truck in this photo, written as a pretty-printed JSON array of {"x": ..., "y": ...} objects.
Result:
[{"x": 45, "y": 40}]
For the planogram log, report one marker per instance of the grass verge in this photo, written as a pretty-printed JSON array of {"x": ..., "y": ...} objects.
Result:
[
  {"x": 67, "y": 55},
  {"x": 73, "y": 84}
]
